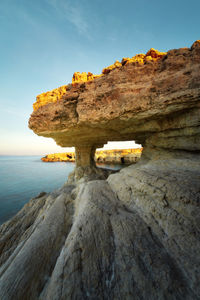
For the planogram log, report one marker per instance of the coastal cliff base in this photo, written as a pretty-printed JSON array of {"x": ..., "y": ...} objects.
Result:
[{"x": 132, "y": 236}]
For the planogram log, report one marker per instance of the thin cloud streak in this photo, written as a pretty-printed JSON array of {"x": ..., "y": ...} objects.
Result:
[{"x": 72, "y": 13}]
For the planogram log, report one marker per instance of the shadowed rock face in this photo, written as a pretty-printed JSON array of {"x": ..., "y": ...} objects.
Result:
[{"x": 135, "y": 235}]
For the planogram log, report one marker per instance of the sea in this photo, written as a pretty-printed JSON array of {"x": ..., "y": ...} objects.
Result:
[{"x": 24, "y": 177}]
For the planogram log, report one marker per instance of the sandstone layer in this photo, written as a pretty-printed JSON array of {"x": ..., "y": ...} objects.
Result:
[
  {"x": 136, "y": 234},
  {"x": 124, "y": 156}
]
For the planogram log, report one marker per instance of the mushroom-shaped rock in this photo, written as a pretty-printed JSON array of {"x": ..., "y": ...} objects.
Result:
[
  {"x": 155, "y": 102},
  {"x": 135, "y": 235}
]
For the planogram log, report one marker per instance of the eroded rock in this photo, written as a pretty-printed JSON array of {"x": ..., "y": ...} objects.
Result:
[
  {"x": 154, "y": 103},
  {"x": 135, "y": 235}
]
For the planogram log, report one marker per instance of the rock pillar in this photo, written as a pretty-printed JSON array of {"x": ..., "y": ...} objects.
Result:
[
  {"x": 85, "y": 156},
  {"x": 86, "y": 166}
]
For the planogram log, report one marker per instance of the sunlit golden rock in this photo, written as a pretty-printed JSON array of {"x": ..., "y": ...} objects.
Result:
[
  {"x": 139, "y": 58},
  {"x": 148, "y": 58},
  {"x": 83, "y": 77},
  {"x": 65, "y": 157},
  {"x": 101, "y": 156},
  {"x": 57, "y": 94},
  {"x": 50, "y": 97},
  {"x": 107, "y": 70},
  {"x": 151, "y": 55},
  {"x": 119, "y": 156},
  {"x": 155, "y": 53},
  {"x": 126, "y": 104},
  {"x": 79, "y": 77}
]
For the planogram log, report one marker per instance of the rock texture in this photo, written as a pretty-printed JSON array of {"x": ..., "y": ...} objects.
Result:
[
  {"x": 154, "y": 102},
  {"x": 83, "y": 77},
  {"x": 52, "y": 96},
  {"x": 136, "y": 234}
]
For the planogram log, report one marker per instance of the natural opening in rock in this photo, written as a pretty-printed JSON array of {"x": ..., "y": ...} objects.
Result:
[
  {"x": 87, "y": 157},
  {"x": 120, "y": 153}
]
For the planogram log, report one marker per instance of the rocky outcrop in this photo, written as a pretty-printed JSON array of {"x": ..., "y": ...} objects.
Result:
[
  {"x": 50, "y": 97},
  {"x": 57, "y": 94},
  {"x": 83, "y": 77},
  {"x": 136, "y": 234},
  {"x": 64, "y": 157},
  {"x": 154, "y": 102},
  {"x": 124, "y": 156}
]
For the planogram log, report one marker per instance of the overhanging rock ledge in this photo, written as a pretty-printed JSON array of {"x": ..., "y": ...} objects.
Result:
[{"x": 153, "y": 101}]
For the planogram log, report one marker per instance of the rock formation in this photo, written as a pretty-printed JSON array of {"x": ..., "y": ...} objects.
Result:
[
  {"x": 124, "y": 156},
  {"x": 135, "y": 235},
  {"x": 64, "y": 157},
  {"x": 148, "y": 101}
]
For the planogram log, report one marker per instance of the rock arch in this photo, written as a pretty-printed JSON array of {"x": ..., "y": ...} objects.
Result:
[{"x": 152, "y": 99}]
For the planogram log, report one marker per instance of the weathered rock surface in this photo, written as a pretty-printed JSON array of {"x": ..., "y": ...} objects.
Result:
[
  {"x": 133, "y": 102},
  {"x": 135, "y": 235},
  {"x": 152, "y": 101}
]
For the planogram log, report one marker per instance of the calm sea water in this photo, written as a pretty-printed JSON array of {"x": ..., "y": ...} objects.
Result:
[{"x": 24, "y": 177}]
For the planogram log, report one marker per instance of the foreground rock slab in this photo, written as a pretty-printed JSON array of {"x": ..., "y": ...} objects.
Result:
[{"x": 134, "y": 236}]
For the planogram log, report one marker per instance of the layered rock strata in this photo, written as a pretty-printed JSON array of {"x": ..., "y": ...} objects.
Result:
[
  {"x": 136, "y": 234},
  {"x": 154, "y": 102},
  {"x": 57, "y": 94}
]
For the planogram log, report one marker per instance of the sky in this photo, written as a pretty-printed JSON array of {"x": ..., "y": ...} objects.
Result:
[{"x": 43, "y": 42}]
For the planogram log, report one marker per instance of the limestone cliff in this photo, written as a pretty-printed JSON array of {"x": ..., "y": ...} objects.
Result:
[
  {"x": 65, "y": 157},
  {"x": 57, "y": 94},
  {"x": 114, "y": 156},
  {"x": 136, "y": 234},
  {"x": 152, "y": 101},
  {"x": 124, "y": 156}
]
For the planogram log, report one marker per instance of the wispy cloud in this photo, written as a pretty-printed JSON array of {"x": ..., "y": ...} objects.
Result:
[{"x": 73, "y": 13}]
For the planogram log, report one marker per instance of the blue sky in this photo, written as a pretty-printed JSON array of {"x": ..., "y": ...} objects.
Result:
[{"x": 43, "y": 42}]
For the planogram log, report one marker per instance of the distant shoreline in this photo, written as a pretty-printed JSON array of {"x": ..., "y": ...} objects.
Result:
[{"x": 117, "y": 156}]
